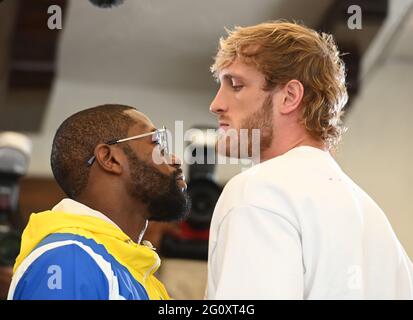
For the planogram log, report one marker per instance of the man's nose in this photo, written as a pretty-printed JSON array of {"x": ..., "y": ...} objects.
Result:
[
  {"x": 174, "y": 161},
  {"x": 218, "y": 105}
]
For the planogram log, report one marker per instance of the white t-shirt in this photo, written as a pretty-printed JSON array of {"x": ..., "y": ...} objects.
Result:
[{"x": 297, "y": 227}]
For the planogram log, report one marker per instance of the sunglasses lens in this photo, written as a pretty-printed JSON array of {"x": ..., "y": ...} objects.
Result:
[
  {"x": 161, "y": 138},
  {"x": 164, "y": 142},
  {"x": 156, "y": 137}
]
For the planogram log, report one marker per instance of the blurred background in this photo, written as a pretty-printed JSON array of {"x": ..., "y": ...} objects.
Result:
[{"x": 155, "y": 55}]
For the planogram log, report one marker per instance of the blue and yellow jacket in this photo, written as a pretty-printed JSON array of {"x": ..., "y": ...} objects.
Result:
[{"x": 67, "y": 256}]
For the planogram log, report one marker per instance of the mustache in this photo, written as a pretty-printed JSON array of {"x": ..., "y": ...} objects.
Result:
[
  {"x": 222, "y": 119},
  {"x": 177, "y": 173}
]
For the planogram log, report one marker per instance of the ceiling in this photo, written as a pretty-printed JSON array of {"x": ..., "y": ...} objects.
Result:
[{"x": 162, "y": 43}]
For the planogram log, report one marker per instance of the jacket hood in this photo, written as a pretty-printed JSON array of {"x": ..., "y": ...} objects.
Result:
[{"x": 117, "y": 243}]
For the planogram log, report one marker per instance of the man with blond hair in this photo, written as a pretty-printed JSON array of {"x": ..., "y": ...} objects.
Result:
[{"x": 294, "y": 226}]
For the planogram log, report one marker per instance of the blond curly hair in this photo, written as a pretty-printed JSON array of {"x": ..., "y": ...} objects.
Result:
[{"x": 283, "y": 51}]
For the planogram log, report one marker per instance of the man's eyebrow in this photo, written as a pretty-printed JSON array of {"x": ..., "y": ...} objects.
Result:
[{"x": 230, "y": 76}]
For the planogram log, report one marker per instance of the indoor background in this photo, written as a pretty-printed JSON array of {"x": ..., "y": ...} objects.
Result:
[{"x": 155, "y": 55}]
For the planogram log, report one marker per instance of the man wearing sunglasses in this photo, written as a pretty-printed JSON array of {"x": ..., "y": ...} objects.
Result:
[{"x": 116, "y": 170}]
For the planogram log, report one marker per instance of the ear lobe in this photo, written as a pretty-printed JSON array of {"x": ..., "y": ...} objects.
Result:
[
  {"x": 293, "y": 95},
  {"x": 108, "y": 158}
]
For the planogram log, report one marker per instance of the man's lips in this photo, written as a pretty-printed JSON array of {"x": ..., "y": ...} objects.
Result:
[
  {"x": 224, "y": 126},
  {"x": 181, "y": 182}
]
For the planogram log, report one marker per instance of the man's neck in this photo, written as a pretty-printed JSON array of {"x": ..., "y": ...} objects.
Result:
[
  {"x": 132, "y": 222},
  {"x": 282, "y": 146}
]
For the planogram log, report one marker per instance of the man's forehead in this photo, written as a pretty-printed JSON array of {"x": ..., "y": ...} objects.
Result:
[
  {"x": 142, "y": 123},
  {"x": 237, "y": 70}
]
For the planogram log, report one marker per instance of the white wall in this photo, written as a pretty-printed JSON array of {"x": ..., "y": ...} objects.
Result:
[{"x": 377, "y": 150}]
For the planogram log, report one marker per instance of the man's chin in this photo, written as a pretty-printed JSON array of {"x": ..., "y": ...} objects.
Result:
[
  {"x": 229, "y": 151},
  {"x": 227, "y": 147},
  {"x": 169, "y": 216},
  {"x": 168, "y": 210}
]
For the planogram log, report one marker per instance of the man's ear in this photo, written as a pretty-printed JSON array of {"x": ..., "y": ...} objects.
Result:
[
  {"x": 109, "y": 158},
  {"x": 293, "y": 92}
]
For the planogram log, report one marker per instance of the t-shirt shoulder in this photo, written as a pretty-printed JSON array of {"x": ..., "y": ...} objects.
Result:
[{"x": 275, "y": 185}]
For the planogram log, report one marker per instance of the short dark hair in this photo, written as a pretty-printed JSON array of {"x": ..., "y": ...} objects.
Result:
[{"x": 76, "y": 138}]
